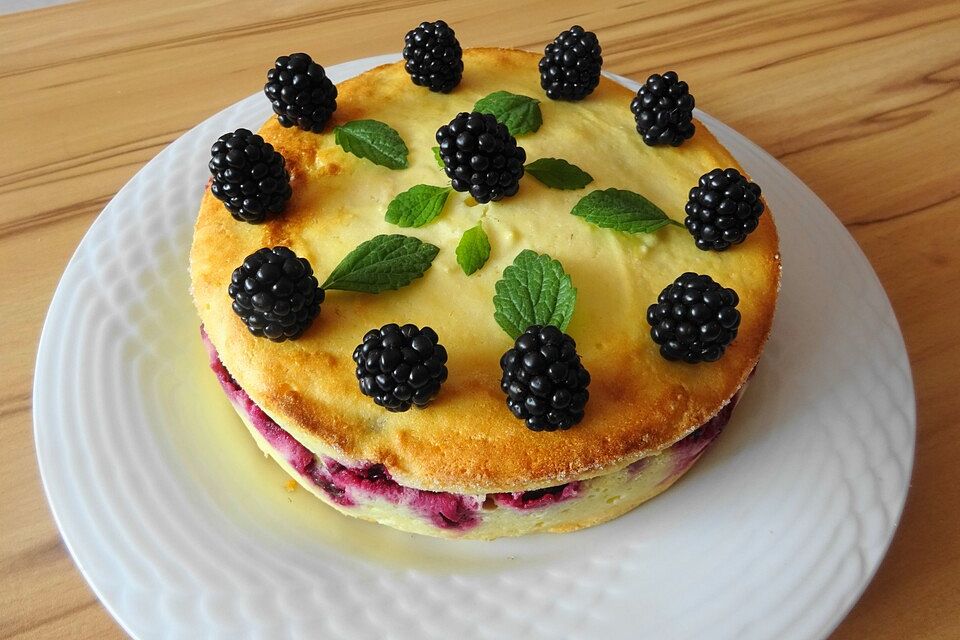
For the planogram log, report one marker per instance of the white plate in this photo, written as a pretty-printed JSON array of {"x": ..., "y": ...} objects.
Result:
[{"x": 184, "y": 530}]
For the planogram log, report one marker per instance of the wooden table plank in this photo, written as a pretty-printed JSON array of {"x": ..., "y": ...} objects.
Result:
[{"x": 860, "y": 99}]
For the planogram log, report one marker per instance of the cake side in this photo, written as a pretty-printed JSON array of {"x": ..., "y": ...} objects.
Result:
[
  {"x": 467, "y": 441},
  {"x": 369, "y": 492}
]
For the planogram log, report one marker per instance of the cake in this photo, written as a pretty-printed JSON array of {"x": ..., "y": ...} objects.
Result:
[{"x": 460, "y": 463}]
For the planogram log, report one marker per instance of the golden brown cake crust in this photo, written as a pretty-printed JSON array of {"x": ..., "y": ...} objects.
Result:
[{"x": 467, "y": 441}]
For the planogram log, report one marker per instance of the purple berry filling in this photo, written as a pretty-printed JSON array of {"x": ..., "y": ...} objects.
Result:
[
  {"x": 299, "y": 457},
  {"x": 686, "y": 451},
  {"x": 538, "y": 497},
  {"x": 445, "y": 510},
  {"x": 690, "y": 448}
]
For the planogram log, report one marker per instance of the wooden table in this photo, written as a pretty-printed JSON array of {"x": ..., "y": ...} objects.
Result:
[{"x": 860, "y": 99}]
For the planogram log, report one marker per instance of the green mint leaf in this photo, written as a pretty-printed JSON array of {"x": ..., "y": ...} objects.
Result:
[
  {"x": 436, "y": 154},
  {"x": 621, "y": 210},
  {"x": 381, "y": 263},
  {"x": 533, "y": 290},
  {"x": 473, "y": 250},
  {"x": 417, "y": 205},
  {"x": 558, "y": 174},
  {"x": 519, "y": 114},
  {"x": 377, "y": 142}
]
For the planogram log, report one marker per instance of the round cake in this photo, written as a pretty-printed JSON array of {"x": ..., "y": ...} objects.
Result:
[{"x": 464, "y": 465}]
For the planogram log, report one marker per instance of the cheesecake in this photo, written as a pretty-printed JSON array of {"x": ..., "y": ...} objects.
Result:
[{"x": 464, "y": 465}]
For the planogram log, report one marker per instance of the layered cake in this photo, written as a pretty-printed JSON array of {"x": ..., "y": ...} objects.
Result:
[{"x": 483, "y": 292}]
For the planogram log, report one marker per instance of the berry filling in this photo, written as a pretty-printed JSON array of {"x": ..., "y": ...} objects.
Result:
[
  {"x": 539, "y": 497},
  {"x": 297, "y": 455},
  {"x": 445, "y": 510},
  {"x": 346, "y": 485}
]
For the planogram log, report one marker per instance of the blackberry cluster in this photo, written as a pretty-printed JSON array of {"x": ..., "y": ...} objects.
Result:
[
  {"x": 275, "y": 294},
  {"x": 545, "y": 383},
  {"x": 434, "y": 57},
  {"x": 401, "y": 366},
  {"x": 694, "y": 319},
  {"x": 249, "y": 176},
  {"x": 723, "y": 209},
  {"x": 570, "y": 66},
  {"x": 480, "y": 156},
  {"x": 300, "y": 92},
  {"x": 663, "y": 110}
]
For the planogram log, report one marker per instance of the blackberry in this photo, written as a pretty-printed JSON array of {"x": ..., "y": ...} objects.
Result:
[
  {"x": 248, "y": 176},
  {"x": 400, "y": 366},
  {"x": 570, "y": 66},
  {"x": 545, "y": 383},
  {"x": 480, "y": 156},
  {"x": 723, "y": 209},
  {"x": 694, "y": 319},
  {"x": 434, "y": 57},
  {"x": 300, "y": 92},
  {"x": 275, "y": 294},
  {"x": 663, "y": 110}
]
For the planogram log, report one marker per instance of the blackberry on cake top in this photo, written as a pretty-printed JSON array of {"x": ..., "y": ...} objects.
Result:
[
  {"x": 275, "y": 294},
  {"x": 480, "y": 156},
  {"x": 401, "y": 366},
  {"x": 433, "y": 56},
  {"x": 249, "y": 176},
  {"x": 570, "y": 66},
  {"x": 723, "y": 209},
  {"x": 663, "y": 110},
  {"x": 300, "y": 92},
  {"x": 544, "y": 380},
  {"x": 694, "y": 319}
]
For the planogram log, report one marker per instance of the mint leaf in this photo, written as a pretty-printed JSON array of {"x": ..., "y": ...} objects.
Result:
[
  {"x": 436, "y": 154},
  {"x": 417, "y": 205},
  {"x": 558, "y": 174},
  {"x": 381, "y": 263},
  {"x": 473, "y": 250},
  {"x": 533, "y": 290},
  {"x": 377, "y": 142},
  {"x": 519, "y": 114},
  {"x": 621, "y": 210}
]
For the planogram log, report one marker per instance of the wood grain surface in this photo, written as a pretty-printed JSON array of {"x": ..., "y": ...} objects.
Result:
[{"x": 859, "y": 99}]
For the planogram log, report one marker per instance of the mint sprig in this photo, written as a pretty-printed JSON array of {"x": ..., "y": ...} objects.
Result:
[
  {"x": 473, "y": 251},
  {"x": 381, "y": 263},
  {"x": 436, "y": 155},
  {"x": 374, "y": 140},
  {"x": 622, "y": 210},
  {"x": 520, "y": 114},
  {"x": 533, "y": 290},
  {"x": 557, "y": 173},
  {"x": 417, "y": 205}
]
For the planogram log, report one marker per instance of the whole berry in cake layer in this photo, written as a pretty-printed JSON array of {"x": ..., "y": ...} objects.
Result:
[
  {"x": 480, "y": 156},
  {"x": 300, "y": 92},
  {"x": 434, "y": 57},
  {"x": 570, "y": 66},
  {"x": 545, "y": 382},
  {"x": 663, "y": 110},
  {"x": 248, "y": 176},
  {"x": 723, "y": 209},
  {"x": 694, "y": 319},
  {"x": 401, "y": 366},
  {"x": 275, "y": 294}
]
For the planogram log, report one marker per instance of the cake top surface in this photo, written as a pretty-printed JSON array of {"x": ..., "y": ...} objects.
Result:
[{"x": 467, "y": 440}]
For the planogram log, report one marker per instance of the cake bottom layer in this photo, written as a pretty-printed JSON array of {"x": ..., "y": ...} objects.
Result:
[{"x": 366, "y": 490}]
